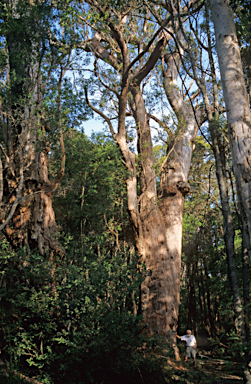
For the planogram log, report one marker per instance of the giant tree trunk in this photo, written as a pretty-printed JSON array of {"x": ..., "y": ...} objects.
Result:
[
  {"x": 160, "y": 290},
  {"x": 33, "y": 223},
  {"x": 237, "y": 105},
  {"x": 160, "y": 239},
  {"x": 157, "y": 219}
]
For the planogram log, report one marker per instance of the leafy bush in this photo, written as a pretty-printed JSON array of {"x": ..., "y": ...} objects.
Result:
[{"x": 69, "y": 320}]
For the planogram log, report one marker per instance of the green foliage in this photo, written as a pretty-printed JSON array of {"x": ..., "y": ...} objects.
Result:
[
  {"x": 205, "y": 289},
  {"x": 92, "y": 198},
  {"x": 242, "y": 11},
  {"x": 69, "y": 320}
]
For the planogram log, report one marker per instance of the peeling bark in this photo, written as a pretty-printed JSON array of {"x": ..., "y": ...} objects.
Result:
[{"x": 33, "y": 221}]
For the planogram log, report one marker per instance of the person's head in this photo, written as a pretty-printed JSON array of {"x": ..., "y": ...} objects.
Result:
[{"x": 189, "y": 333}]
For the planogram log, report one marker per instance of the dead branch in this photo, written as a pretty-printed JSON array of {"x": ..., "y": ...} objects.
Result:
[
  {"x": 6, "y": 370},
  {"x": 17, "y": 200}
]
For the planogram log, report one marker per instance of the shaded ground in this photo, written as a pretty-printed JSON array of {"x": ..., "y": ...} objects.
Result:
[{"x": 204, "y": 372}]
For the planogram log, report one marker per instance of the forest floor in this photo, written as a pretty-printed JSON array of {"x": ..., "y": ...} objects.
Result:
[{"x": 204, "y": 372}]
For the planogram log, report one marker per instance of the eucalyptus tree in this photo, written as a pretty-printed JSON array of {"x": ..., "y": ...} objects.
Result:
[
  {"x": 129, "y": 44},
  {"x": 237, "y": 105},
  {"x": 198, "y": 64},
  {"x": 36, "y": 53},
  {"x": 205, "y": 289},
  {"x": 242, "y": 14}
]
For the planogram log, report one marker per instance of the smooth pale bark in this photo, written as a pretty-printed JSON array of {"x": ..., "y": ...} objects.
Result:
[
  {"x": 238, "y": 113},
  {"x": 237, "y": 106},
  {"x": 220, "y": 163}
]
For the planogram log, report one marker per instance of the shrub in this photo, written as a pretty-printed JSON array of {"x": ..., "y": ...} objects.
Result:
[{"x": 69, "y": 320}]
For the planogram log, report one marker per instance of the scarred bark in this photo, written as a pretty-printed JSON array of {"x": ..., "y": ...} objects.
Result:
[
  {"x": 27, "y": 188},
  {"x": 33, "y": 223}
]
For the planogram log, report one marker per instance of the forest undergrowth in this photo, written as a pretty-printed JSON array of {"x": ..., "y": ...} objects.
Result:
[
  {"x": 70, "y": 321},
  {"x": 172, "y": 372}
]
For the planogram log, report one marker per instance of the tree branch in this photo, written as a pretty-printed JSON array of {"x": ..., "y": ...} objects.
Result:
[
  {"x": 100, "y": 52},
  {"x": 60, "y": 174},
  {"x": 154, "y": 57},
  {"x": 160, "y": 170},
  {"x": 13, "y": 208},
  {"x": 100, "y": 114}
]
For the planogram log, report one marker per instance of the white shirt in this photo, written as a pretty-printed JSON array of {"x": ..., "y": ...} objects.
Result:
[{"x": 190, "y": 340}]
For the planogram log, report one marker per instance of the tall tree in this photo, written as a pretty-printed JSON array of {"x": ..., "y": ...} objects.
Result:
[
  {"x": 131, "y": 54},
  {"x": 29, "y": 46},
  {"x": 197, "y": 44},
  {"x": 237, "y": 105}
]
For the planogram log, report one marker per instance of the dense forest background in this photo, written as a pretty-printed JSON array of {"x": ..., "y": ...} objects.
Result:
[{"x": 113, "y": 242}]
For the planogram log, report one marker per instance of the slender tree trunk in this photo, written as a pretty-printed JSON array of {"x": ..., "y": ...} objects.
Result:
[
  {"x": 246, "y": 59},
  {"x": 220, "y": 162},
  {"x": 246, "y": 297},
  {"x": 200, "y": 296},
  {"x": 229, "y": 232},
  {"x": 237, "y": 105},
  {"x": 209, "y": 303},
  {"x": 204, "y": 303},
  {"x": 192, "y": 300}
]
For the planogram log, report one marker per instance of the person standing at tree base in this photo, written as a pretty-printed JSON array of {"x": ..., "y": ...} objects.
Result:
[{"x": 191, "y": 345}]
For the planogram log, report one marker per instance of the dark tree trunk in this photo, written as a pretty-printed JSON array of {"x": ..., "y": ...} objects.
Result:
[
  {"x": 209, "y": 303},
  {"x": 229, "y": 232},
  {"x": 32, "y": 223},
  {"x": 246, "y": 298}
]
